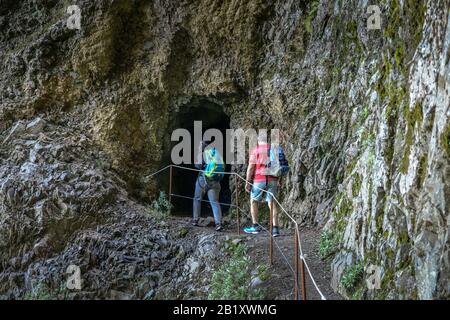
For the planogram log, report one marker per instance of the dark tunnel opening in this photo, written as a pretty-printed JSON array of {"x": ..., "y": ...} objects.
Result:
[{"x": 212, "y": 116}]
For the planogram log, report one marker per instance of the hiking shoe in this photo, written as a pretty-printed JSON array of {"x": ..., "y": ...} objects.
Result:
[
  {"x": 219, "y": 227},
  {"x": 255, "y": 229},
  {"x": 275, "y": 231},
  {"x": 194, "y": 222}
]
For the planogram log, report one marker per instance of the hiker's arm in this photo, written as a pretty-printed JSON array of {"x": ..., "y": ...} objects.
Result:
[
  {"x": 250, "y": 173},
  {"x": 199, "y": 161}
]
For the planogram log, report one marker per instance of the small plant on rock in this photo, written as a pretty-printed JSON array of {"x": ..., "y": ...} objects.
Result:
[
  {"x": 233, "y": 280},
  {"x": 328, "y": 244},
  {"x": 352, "y": 276},
  {"x": 160, "y": 208},
  {"x": 41, "y": 291}
]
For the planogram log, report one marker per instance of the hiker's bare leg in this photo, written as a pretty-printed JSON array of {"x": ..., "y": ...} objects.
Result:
[
  {"x": 254, "y": 211},
  {"x": 274, "y": 212}
]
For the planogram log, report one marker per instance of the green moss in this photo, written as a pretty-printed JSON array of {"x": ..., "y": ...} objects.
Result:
[
  {"x": 358, "y": 294},
  {"x": 402, "y": 34},
  {"x": 370, "y": 257},
  {"x": 352, "y": 277},
  {"x": 329, "y": 242},
  {"x": 400, "y": 58},
  {"x": 356, "y": 187},
  {"x": 422, "y": 170},
  {"x": 415, "y": 10},
  {"x": 403, "y": 237},
  {"x": 351, "y": 40},
  {"x": 412, "y": 117},
  {"x": 445, "y": 139},
  {"x": 350, "y": 167},
  {"x": 386, "y": 284},
  {"x": 397, "y": 97},
  {"x": 160, "y": 207},
  {"x": 43, "y": 291},
  {"x": 344, "y": 210},
  {"x": 231, "y": 280},
  {"x": 404, "y": 28},
  {"x": 390, "y": 254},
  {"x": 368, "y": 139},
  {"x": 312, "y": 13},
  {"x": 405, "y": 263},
  {"x": 365, "y": 113},
  {"x": 379, "y": 224},
  {"x": 394, "y": 19}
]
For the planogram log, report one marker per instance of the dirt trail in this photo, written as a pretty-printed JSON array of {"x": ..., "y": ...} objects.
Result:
[{"x": 281, "y": 283}]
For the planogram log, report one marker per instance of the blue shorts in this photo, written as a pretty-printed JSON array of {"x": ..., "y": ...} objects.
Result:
[{"x": 257, "y": 194}]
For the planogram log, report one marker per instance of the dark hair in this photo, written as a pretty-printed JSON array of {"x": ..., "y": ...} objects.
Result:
[{"x": 205, "y": 143}]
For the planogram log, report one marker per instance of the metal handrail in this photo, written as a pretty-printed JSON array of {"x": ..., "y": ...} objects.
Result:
[{"x": 299, "y": 259}]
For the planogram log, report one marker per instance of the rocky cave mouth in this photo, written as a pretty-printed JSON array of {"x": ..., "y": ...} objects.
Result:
[{"x": 212, "y": 116}]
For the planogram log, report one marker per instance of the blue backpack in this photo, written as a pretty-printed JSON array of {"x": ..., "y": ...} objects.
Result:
[
  {"x": 215, "y": 166},
  {"x": 277, "y": 165}
]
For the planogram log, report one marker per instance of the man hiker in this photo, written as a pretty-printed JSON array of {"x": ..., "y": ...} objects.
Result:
[
  {"x": 267, "y": 164},
  {"x": 208, "y": 181}
]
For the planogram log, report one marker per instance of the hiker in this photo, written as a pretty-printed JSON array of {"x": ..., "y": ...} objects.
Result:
[
  {"x": 267, "y": 165},
  {"x": 208, "y": 181}
]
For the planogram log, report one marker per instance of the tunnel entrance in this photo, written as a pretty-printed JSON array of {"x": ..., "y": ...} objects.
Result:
[{"x": 183, "y": 182}]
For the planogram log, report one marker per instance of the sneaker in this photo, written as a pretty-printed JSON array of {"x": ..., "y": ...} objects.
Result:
[
  {"x": 275, "y": 232},
  {"x": 194, "y": 222},
  {"x": 219, "y": 227},
  {"x": 255, "y": 229}
]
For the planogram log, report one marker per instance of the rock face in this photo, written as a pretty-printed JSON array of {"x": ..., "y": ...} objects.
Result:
[
  {"x": 62, "y": 206},
  {"x": 84, "y": 116}
]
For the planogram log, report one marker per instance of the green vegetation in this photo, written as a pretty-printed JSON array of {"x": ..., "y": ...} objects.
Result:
[
  {"x": 311, "y": 16},
  {"x": 357, "y": 183},
  {"x": 352, "y": 277},
  {"x": 351, "y": 41},
  {"x": 445, "y": 139},
  {"x": 386, "y": 283},
  {"x": 343, "y": 209},
  {"x": 232, "y": 280},
  {"x": 41, "y": 291},
  {"x": 364, "y": 115},
  {"x": 329, "y": 242},
  {"x": 358, "y": 294},
  {"x": 415, "y": 12},
  {"x": 160, "y": 208},
  {"x": 379, "y": 223},
  {"x": 412, "y": 118},
  {"x": 422, "y": 170},
  {"x": 401, "y": 43}
]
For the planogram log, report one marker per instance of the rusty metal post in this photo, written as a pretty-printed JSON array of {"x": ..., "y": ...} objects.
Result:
[
  {"x": 296, "y": 264},
  {"x": 270, "y": 234},
  {"x": 236, "y": 185},
  {"x": 302, "y": 265},
  {"x": 170, "y": 189},
  {"x": 302, "y": 269}
]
